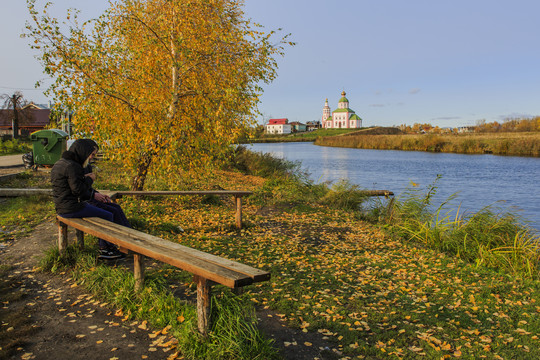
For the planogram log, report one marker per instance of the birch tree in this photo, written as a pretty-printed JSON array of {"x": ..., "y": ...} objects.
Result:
[{"x": 163, "y": 85}]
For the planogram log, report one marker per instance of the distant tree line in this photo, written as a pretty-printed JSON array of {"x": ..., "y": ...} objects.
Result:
[{"x": 507, "y": 125}]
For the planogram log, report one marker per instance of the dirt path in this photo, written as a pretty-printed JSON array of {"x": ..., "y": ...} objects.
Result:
[
  {"x": 50, "y": 317},
  {"x": 45, "y": 316},
  {"x": 9, "y": 165},
  {"x": 7, "y": 161}
]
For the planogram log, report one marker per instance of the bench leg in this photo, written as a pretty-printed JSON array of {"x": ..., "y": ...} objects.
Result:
[
  {"x": 80, "y": 239},
  {"x": 238, "y": 200},
  {"x": 138, "y": 271},
  {"x": 62, "y": 237},
  {"x": 203, "y": 304}
]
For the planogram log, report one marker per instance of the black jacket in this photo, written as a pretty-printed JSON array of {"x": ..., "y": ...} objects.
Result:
[{"x": 70, "y": 187}]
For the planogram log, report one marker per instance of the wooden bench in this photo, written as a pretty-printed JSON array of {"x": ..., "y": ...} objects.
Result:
[{"x": 206, "y": 268}]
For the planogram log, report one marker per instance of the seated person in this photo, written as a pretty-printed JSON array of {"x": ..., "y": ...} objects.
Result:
[{"x": 74, "y": 196}]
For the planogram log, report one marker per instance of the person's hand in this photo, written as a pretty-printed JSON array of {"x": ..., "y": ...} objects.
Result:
[
  {"x": 91, "y": 176},
  {"x": 102, "y": 198}
]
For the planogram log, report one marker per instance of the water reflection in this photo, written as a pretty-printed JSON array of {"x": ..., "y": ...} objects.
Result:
[{"x": 335, "y": 164}]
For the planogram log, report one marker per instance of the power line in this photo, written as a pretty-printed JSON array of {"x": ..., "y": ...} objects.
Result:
[{"x": 15, "y": 88}]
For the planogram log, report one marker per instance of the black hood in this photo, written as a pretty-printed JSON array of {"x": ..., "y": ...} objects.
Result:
[{"x": 80, "y": 150}]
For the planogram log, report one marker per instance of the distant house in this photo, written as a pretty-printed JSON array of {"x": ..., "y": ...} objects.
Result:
[
  {"x": 447, "y": 130},
  {"x": 32, "y": 117},
  {"x": 465, "y": 129},
  {"x": 313, "y": 125},
  {"x": 298, "y": 127},
  {"x": 278, "y": 126}
]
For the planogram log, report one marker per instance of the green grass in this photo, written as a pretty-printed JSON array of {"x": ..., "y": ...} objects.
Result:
[
  {"x": 303, "y": 136},
  {"x": 15, "y": 223},
  {"x": 20, "y": 215}
]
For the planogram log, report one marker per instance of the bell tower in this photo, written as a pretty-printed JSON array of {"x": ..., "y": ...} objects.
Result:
[{"x": 326, "y": 113}]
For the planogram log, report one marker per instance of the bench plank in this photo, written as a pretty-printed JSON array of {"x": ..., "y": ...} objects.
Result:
[
  {"x": 121, "y": 193},
  {"x": 256, "y": 274}
]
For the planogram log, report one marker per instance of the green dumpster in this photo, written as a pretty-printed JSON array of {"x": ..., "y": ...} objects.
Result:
[{"x": 48, "y": 146}]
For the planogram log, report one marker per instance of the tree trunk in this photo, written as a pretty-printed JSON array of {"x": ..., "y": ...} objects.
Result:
[{"x": 142, "y": 170}]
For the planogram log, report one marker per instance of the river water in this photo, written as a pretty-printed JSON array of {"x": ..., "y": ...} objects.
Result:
[{"x": 506, "y": 183}]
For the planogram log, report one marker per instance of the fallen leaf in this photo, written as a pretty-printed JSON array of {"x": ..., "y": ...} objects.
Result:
[{"x": 522, "y": 331}]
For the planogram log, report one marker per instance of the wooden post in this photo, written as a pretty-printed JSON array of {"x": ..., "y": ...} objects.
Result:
[
  {"x": 62, "y": 237},
  {"x": 203, "y": 304},
  {"x": 238, "y": 200},
  {"x": 80, "y": 238},
  {"x": 138, "y": 271}
]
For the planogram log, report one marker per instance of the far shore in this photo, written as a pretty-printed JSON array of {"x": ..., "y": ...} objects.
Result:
[{"x": 509, "y": 143}]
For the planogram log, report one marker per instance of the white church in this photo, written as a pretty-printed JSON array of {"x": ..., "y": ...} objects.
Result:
[{"x": 341, "y": 118}]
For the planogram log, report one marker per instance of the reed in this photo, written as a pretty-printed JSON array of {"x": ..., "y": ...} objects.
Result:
[
  {"x": 487, "y": 238},
  {"x": 515, "y": 144}
]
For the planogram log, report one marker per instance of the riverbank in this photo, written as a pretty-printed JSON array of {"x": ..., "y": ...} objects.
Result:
[
  {"x": 512, "y": 144},
  {"x": 341, "y": 287}
]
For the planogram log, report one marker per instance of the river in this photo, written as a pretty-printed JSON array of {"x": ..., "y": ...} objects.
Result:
[{"x": 506, "y": 183}]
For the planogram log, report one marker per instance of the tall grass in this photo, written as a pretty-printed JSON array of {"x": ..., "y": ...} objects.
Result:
[
  {"x": 517, "y": 144},
  {"x": 343, "y": 195},
  {"x": 262, "y": 164},
  {"x": 487, "y": 238}
]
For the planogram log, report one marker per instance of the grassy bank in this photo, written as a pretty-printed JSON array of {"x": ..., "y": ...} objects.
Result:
[
  {"x": 301, "y": 136},
  {"x": 515, "y": 144},
  {"x": 372, "y": 281}
]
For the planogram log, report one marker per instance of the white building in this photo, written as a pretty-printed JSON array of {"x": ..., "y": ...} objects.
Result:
[
  {"x": 278, "y": 126},
  {"x": 341, "y": 118}
]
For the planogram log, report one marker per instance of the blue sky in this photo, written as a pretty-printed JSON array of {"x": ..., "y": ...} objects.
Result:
[{"x": 449, "y": 63}]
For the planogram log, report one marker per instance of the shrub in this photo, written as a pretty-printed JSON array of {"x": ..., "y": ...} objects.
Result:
[{"x": 11, "y": 147}]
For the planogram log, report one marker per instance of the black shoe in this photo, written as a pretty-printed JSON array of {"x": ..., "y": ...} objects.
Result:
[{"x": 110, "y": 254}]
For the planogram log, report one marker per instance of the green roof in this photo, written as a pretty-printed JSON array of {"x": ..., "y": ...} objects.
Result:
[
  {"x": 343, "y": 99},
  {"x": 355, "y": 117},
  {"x": 343, "y": 110}
]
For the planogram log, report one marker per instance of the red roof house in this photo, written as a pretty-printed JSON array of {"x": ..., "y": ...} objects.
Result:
[
  {"x": 278, "y": 121},
  {"x": 32, "y": 117}
]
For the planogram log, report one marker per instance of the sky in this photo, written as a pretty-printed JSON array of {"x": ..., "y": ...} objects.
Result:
[{"x": 448, "y": 63}]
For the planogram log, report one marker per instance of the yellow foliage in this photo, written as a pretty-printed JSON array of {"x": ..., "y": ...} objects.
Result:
[{"x": 161, "y": 85}]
